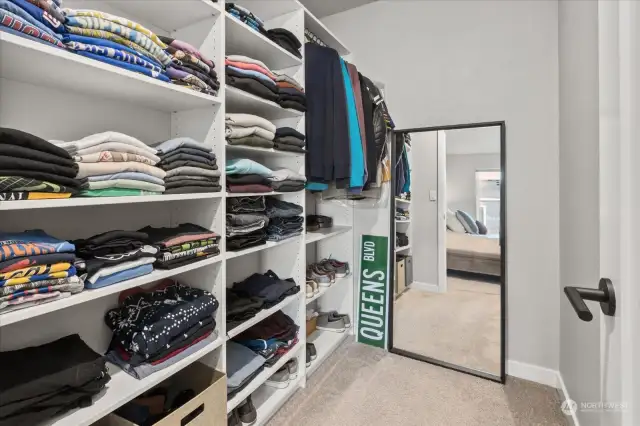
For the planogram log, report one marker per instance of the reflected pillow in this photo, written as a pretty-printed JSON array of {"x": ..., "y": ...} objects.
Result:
[
  {"x": 482, "y": 229},
  {"x": 467, "y": 222},
  {"x": 454, "y": 224}
]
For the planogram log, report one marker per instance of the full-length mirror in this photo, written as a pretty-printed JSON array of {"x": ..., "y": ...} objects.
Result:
[{"x": 450, "y": 247}]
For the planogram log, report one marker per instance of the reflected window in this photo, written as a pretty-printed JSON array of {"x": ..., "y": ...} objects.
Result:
[{"x": 488, "y": 199}]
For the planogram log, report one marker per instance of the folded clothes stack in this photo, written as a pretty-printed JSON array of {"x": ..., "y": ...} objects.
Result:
[
  {"x": 243, "y": 14},
  {"x": 114, "y": 256},
  {"x": 116, "y": 41},
  {"x": 268, "y": 286},
  {"x": 35, "y": 268},
  {"x": 241, "y": 308},
  {"x": 190, "y": 67},
  {"x": 32, "y": 168},
  {"x": 284, "y": 219},
  {"x": 285, "y": 180},
  {"x": 238, "y": 206},
  {"x": 115, "y": 165},
  {"x": 245, "y": 223},
  {"x": 285, "y": 39},
  {"x": 249, "y": 130},
  {"x": 271, "y": 338},
  {"x": 288, "y": 139},
  {"x": 155, "y": 328},
  {"x": 243, "y": 365},
  {"x": 41, "y": 382},
  {"x": 244, "y": 175},
  {"x": 292, "y": 98},
  {"x": 38, "y": 20},
  {"x": 190, "y": 167},
  {"x": 252, "y": 76},
  {"x": 182, "y": 244}
]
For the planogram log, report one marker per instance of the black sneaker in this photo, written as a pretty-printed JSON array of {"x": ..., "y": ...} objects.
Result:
[
  {"x": 311, "y": 351},
  {"x": 308, "y": 361},
  {"x": 247, "y": 412},
  {"x": 233, "y": 419}
]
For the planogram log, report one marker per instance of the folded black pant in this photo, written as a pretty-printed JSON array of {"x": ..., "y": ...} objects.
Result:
[
  {"x": 287, "y": 147},
  {"x": 252, "y": 86},
  {"x": 245, "y": 241},
  {"x": 246, "y": 204},
  {"x": 292, "y": 105}
]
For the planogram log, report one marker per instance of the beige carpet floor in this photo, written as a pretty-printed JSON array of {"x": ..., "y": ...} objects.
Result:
[
  {"x": 364, "y": 386},
  {"x": 461, "y": 326}
]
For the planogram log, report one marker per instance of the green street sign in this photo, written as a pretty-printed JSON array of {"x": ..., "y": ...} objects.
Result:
[{"x": 373, "y": 291}]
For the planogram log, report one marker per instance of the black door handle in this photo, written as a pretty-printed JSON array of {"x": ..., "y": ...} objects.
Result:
[{"x": 605, "y": 294}]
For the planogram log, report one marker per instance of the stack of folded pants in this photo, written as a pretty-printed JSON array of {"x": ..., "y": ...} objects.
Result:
[
  {"x": 249, "y": 130},
  {"x": 32, "y": 168},
  {"x": 116, "y": 165},
  {"x": 246, "y": 176},
  {"x": 190, "y": 167},
  {"x": 246, "y": 205},
  {"x": 183, "y": 244},
  {"x": 41, "y": 382},
  {"x": 35, "y": 268},
  {"x": 285, "y": 39},
  {"x": 37, "y": 20},
  {"x": 278, "y": 208},
  {"x": 271, "y": 338},
  {"x": 282, "y": 228},
  {"x": 292, "y": 98},
  {"x": 268, "y": 286},
  {"x": 245, "y": 15},
  {"x": 116, "y": 41},
  {"x": 285, "y": 180},
  {"x": 243, "y": 365},
  {"x": 241, "y": 308},
  {"x": 114, "y": 256},
  {"x": 252, "y": 76},
  {"x": 289, "y": 139},
  {"x": 190, "y": 67},
  {"x": 155, "y": 328},
  {"x": 245, "y": 223}
]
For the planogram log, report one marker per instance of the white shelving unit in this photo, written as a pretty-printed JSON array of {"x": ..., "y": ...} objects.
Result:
[{"x": 80, "y": 96}]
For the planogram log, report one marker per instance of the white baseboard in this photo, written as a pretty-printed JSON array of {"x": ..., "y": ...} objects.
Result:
[
  {"x": 565, "y": 395},
  {"x": 533, "y": 373},
  {"x": 432, "y": 288}
]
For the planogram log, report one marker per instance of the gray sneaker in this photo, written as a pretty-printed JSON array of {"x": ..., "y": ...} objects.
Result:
[
  {"x": 323, "y": 280},
  {"x": 292, "y": 365},
  {"x": 279, "y": 379},
  {"x": 336, "y": 315},
  {"x": 340, "y": 269},
  {"x": 328, "y": 322}
]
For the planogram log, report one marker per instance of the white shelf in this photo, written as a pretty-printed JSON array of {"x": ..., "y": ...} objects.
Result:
[
  {"x": 324, "y": 233},
  {"x": 262, "y": 377},
  {"x": 314, "y": 25},
  {"x": 400, "y": 200},
  {"x": 169, "y": 15},
  {"x": 403, "y": 221},
  {"x": 268, "y": 245},
  {"x": 26, "y": 60},
  {"x": 101, "y": 201},
  {"x": 122, "y": 388},
  {"x": 88, "y": 295},
  {"x": 403, "y": 248},
  {"x": 324, "y": 290},
  {"x": 268, "y": 400},
  {"x": 242, "y": 40},
  {"x": 326, "y": 342},
  {"x": 261, "y": 316},
  {"x": 240, "y": 101},
  {"x": 267, "y": 10},
  {"x": 255, "y": 194},
  {"x": 262, "y": 151}
]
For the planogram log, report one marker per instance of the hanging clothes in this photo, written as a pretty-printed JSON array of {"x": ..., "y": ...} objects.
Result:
[
  {"x": 357, "y": 178},
  {"x": 357, "y": 91}
]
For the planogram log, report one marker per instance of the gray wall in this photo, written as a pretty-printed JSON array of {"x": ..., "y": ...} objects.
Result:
[
  {"x": 424, "y": 226},
  {"x": 473, "y": 61},
  {"x": 579, "y": 205},
  {"x": 461, "y": 179}
]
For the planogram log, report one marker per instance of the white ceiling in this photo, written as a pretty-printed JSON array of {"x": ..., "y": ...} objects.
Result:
[
  {"x": 322, "y": 8},
  {"x": 481, "y": 140}
]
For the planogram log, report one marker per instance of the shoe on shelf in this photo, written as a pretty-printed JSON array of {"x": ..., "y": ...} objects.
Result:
[
  {"x": 292, "y": 365},
  {"x": 340, "y": 269},
  {"x": 316, "y": 287},
  {"x": 247, "y": 412},
  {"x": 322, "y": 279},
  {"x": 279, "y": 379},
  {"x": 233, "y": 419},
  {"x": 328, "y": 322},
  {"x": 308, "y": 356},
  {"x": 336, "y": 315},
  {"x": 322, "y": 270},
  {"x": 321, "y": 221},
  {"x": 310, "y": 291},
  {"x": 311, "y": 351}
]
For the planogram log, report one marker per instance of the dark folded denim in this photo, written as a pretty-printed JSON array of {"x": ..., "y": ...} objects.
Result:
[
  {"x": 236, "y": 230},
  {"x": 245, "y": 241},
  {"x": 246, "y": 219},
  {"x": 293, "y": 222},
  {"x": 279, "y": 208},
  {"x": 278, "y": 237},
  {"x": 246, "y": 204}
]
